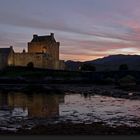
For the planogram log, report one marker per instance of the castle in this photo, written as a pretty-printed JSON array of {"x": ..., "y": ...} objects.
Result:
[{"x": 43, "y": 52}]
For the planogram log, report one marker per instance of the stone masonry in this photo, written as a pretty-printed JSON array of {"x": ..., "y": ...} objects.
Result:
[{"x": 43, "y": 52}]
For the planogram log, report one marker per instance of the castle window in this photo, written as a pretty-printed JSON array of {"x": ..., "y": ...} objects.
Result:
[
  {"x": 38, "y": 57},
  {"x": 44, "y": 50}
]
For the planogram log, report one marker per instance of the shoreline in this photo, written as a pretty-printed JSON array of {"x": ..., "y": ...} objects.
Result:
[{"x": 85, "y": 89}]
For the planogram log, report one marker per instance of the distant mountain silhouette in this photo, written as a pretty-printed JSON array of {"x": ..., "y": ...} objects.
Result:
[
  {"x": 111, "y": 62},
  {"x": 73, "y": 65},
  {"x": 118, "y": 59}
]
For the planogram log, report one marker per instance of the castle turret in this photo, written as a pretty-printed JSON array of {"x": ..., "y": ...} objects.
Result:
[
  {"x": 52, "y": 35},
  {"x": 35, "y": 36}
]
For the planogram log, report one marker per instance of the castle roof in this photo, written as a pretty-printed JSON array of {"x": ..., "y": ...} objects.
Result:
[
  {"x": 5, "y": 50},
  {"x": 47, "y": 38}
]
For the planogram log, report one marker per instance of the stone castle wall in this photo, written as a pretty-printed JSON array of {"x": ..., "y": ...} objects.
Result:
[
  {"x": 11, "y": 58},
  {"x": 6, "y": 59},
  {"x": 43, "y": 52},
  {"x": 23, "y": 59},
  {"x": 38, "y": 61},
  {"x": 52, "y": 49},
  {"x": 3, "y": 61}
]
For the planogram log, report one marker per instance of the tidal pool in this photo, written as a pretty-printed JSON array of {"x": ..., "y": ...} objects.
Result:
[{"x": 20, "y": 110}]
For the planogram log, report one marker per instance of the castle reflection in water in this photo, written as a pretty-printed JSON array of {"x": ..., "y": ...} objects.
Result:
[{"x": 33, "y": 105}]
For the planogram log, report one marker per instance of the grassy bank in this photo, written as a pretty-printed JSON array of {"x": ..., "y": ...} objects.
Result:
[
  {"x": 32, "y": 75},
  {"x": 35, "y": 72}
]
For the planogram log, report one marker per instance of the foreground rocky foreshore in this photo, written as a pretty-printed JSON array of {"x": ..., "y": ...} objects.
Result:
[
  {"x": 69, "y": 128},
  {"x": 96, "y": 128}
]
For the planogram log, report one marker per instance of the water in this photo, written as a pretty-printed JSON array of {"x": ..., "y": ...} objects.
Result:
[{"x": 18, "y": 110}]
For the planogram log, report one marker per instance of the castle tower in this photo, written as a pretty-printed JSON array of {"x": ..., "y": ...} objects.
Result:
[{"x": 45, "y": 44}]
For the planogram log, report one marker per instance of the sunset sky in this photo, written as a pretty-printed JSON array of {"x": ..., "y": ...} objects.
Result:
[{"x": 86, "y": 29}]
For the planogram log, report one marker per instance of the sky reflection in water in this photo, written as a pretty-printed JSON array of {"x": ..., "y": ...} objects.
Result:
[{"x": 18, "y": 109}]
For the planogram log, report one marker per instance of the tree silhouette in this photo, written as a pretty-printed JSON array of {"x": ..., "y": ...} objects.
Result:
[
  {"x": 123, "y": 67},
  {"x": 127, "y": 80},
  {"x": 88, "y": 67}
]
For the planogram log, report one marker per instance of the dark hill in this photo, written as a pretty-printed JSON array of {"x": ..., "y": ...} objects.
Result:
[
  {"x": 73, "y": 65},
  {"x": 117, "y": 59},
  {"x": 111, "y": 62}
]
